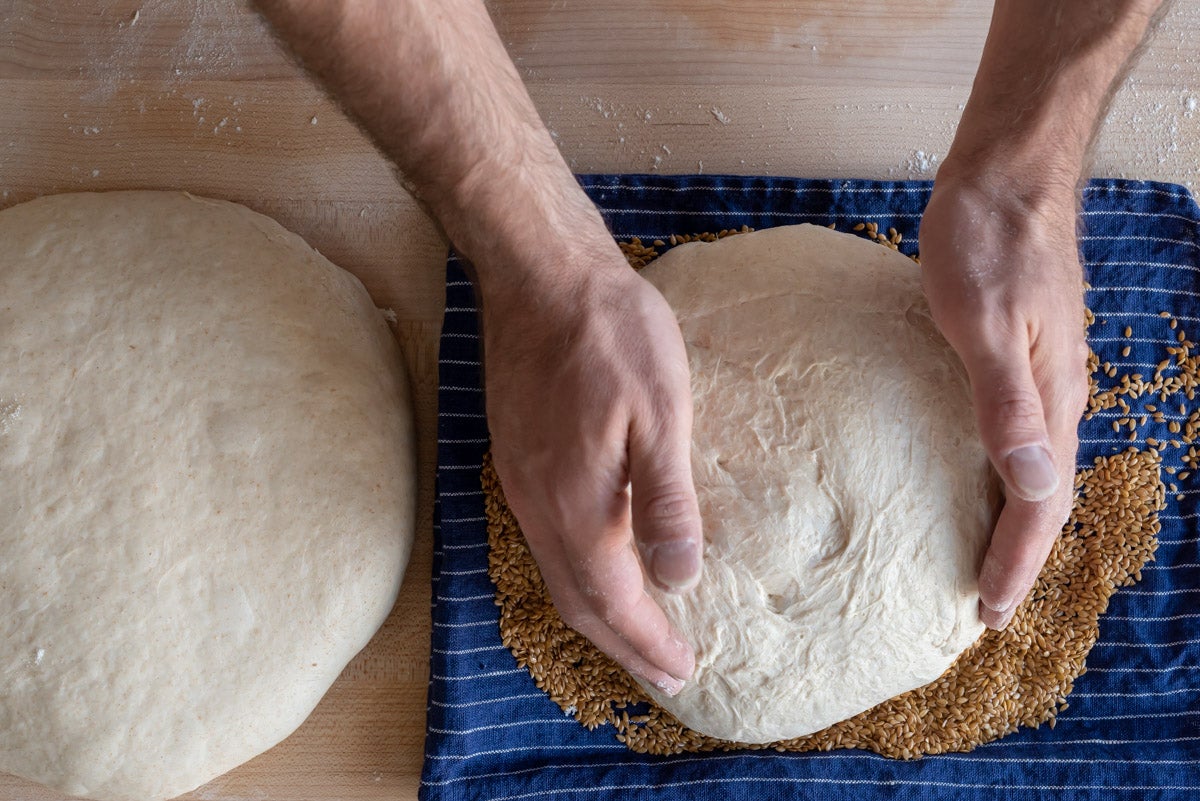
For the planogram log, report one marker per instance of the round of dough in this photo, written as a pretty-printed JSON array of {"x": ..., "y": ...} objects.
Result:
[
  {"x": 207, "y": 477},
  {"x": 846, "y": 497}
]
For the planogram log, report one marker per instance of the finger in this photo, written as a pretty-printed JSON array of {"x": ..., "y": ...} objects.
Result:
[
  {"x": 579, "y": 611},
  {"x": 1012, "y": 423},
  {"x": 666, "y": 515},
  {"x": 607, "y": 603},
  {"x": 1024, "y": 534},
  {"x": 1026, "y": 531},
  {"x": 641, "y": 641}
]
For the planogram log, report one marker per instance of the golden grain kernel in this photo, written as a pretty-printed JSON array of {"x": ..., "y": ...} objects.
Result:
[{"x": 1128, "y": 331}]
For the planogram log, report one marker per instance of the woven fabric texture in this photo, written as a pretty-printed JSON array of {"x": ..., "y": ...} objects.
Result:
[{"x": 1133, "y": 727}]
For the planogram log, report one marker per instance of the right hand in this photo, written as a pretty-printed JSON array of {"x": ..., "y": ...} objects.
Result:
[
  {"x": 590, "y": 410},
  {"x": 1000, "y": 266}
]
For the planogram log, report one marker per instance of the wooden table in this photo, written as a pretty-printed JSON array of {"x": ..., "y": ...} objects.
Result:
[{"x": 195, "y": 94}]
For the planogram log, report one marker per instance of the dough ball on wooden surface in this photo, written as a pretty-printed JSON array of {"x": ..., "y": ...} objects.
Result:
[
  {"x": 207, "y": 476},
  {"x": 846, "y": 497}
]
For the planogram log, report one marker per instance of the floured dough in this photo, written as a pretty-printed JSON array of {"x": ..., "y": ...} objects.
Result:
[
  {"x": 207, "y": 477},
  {"x": 845, "y": 495}
]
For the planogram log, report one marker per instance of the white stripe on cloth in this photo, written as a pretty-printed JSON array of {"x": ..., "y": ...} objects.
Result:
[
  {"x": 787, "y": 215},
  {"x": 1173, "y": 644},
  {"x": 764, "y": 757},
  {"x": 812, "y": 780},
  {"x": 462, "y": 651},
  {"x": 528, "y": 750},
  {"x": 509, "y": 725},
  {"x": 1068, "y": 717},
  {"x": 1159, "y": 239},
  {"x": 491, "y": 674},
  {"x": 1193, "y": 690},
  {"x": 465, "y": 598},
  {"x": 468, "y": 625},
  {"x": 521, "y": 697},
  {"x": 798, "y": 190},
  {"x": 1155, "y": 214},
  {"x": 1094, "y": 265},
  {"x": 1163, "y": 669},
  {"x": 1156, "y": 289},
  {"x": 1148, "y": 618}
]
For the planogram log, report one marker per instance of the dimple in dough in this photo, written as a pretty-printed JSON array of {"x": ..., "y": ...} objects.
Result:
[
  {"x": 846, "y": 497},
  {"x": 207, "y": 477}
]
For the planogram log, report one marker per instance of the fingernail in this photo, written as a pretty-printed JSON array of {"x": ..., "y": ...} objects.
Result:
[
  {"x": 669, "y": 685},
  {"x": 1000, "y": 608},
  {"x": 676, "y": 565},
  {"x": 1004, "y": 618},
  {"x": 1033, "y": 472}
]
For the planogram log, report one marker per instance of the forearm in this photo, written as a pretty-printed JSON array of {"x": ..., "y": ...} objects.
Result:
[
  {"x": 1048, "y": 72},
  {"x": 431, "y": 82}
]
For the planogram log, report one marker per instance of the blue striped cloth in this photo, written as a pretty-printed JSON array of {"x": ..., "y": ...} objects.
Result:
[{"x": 1133, "y": 727}]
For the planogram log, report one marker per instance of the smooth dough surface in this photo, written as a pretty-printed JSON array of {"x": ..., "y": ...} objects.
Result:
[
  {"x": 846, "y": 498},
  {"x": 207, "y": 476}
]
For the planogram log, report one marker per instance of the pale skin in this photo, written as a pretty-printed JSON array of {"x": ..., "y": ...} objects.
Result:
[{"x": 588, "y": 396}]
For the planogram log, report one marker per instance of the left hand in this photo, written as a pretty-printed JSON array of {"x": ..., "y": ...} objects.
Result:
[{"x": 1000, "y": 266}]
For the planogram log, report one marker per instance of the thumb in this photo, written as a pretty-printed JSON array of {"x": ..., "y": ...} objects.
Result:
[
  {"x": 666, "y": 515},
  {"x": 1012, "y": 421}
]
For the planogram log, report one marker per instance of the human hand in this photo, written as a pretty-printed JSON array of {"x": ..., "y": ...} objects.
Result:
[
  {"x": 1000, "y": 266},
  {"x": 589, "y": 406}
]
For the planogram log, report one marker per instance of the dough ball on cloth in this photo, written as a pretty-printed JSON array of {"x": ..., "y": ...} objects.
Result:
[
  {"x": 847, "y": 500},
  {"x": 207, "y": 477}
]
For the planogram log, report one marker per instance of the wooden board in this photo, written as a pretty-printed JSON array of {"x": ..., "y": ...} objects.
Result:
[{"x": 195, "y": 94}]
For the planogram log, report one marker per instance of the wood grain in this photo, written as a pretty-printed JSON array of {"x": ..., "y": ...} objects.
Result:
[{"x": 196, "y": 95}]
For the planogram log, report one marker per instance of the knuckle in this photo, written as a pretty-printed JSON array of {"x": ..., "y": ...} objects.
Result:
[
  {"x": 670, "y": 509},
  {"x": 1016, "y": 409}
]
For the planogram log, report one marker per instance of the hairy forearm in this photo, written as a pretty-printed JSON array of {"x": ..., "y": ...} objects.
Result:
[
  {"x": 1048, "y": 71},
  {"x": 431, "y": 82}
]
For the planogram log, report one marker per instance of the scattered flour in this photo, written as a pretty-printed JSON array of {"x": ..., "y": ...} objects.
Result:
[
  {"x": 10, "y": 410},
  {"x": 920, "y": 164}
]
